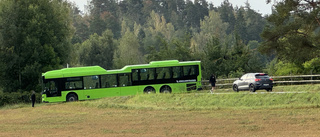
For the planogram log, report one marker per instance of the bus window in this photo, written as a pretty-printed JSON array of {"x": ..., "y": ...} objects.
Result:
[
  {"x": 73, "y": 83},
  {"x": 109, "y": 81},
  {"x": 51, "y": 88},
  {"x": 147, "y": 74},
  {"x": 151, "y": 72},
  {"x": 135, "y": 75},
  {"x": 163, "y": 73},
  {"x": 177, "y": 72},
  {"x": 91, "y": 82},
  {"x": 124, "y": 80},
  {"x": 190, "y": 70}
]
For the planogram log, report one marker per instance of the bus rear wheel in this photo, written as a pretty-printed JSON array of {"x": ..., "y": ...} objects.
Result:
[
  {"x": 165, "y": 89},
  {"x": 149, "y": 90},
  {"x": 72, "y": 97}
]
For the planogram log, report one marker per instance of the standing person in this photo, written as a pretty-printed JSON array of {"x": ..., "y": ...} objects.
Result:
[
  {"x": 212, "y": 81},
  {"x": 33, "y": 97}
]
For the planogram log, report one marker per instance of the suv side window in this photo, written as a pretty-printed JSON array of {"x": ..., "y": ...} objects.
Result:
[{"x": 244, "y": 77}]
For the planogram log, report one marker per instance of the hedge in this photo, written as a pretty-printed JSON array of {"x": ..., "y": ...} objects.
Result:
[{"x": 17, "y": 97}]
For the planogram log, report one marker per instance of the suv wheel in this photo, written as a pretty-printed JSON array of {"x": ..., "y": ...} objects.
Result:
[
  {"x": 235, "y": 88},
  {"x": 252, "y": 88},
  {"x": 269, "y": 90}
]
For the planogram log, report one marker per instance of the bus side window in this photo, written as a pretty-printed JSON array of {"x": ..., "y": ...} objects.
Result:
[
  {"x": 109, "y": 80},
  {"x": 151, "y": 74},
  {"x": 107, "y": 85},
  {"x": 91, "y": 82},
  {"x": 124, "y": 80},
  {"x": 73, "y": 83},
  {"x": 135, "y": 75},
  {"x": 177, "y": 72},
  {"x": 187, "y": 70},
  {"x": 163, "y": 73}
]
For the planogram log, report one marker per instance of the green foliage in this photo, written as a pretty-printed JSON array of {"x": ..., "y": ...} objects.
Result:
[
  {"x": 209, "y": 101},
  {"x": 127, "y": 52},
  {"x": 312, "y": 65},
  {"x": 227, "y": 15},
  {"x": 175, "y": 49},
  {"x": 104, "y": 16},
  {"x": 97, "y": 50},
  {"x": 280, "y": 68},
  {"x": 211, "y": 26},
  {"x": 35, "y": 38},
  {"x": 81, "y": 26},
  {"x": 17, "y": 98},
  {"x": 292, "y": 32}
]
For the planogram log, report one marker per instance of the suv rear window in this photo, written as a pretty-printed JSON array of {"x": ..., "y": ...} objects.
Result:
[{"x": 262, "y": 76}]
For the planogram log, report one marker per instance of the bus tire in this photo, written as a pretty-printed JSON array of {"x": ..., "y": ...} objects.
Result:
[
  {"x": 165, "y": 89},
  {"x": 72, "y": 97},
  {"x": 149, "y": 90}
]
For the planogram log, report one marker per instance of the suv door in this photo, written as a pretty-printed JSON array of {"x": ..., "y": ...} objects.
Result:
[
  {"x": 242, "y": 82},
  {"x": 250, "y": 80}
]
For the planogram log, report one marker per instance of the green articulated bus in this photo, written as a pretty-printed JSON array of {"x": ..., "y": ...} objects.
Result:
[{"x": 83, "y": 83}]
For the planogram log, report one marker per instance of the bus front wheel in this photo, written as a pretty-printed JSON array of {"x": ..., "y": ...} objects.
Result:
[
  {"x": 165, "y": 89},
  {"x": 72, "y": 97}
]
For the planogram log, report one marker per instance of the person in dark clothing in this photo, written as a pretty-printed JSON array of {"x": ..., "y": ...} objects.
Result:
[
  {"x": 212, "y": 81},
  {"x": 33, "y": 97}
]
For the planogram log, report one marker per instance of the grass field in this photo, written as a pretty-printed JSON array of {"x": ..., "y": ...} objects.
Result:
[{"x": 192, "y": 114}]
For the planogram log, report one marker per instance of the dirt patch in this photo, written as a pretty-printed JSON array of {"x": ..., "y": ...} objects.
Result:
[{"x": 72, "y": 120}]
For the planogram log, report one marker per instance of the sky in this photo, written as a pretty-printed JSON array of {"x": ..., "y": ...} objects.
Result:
[{"x": 259, "y": 6}]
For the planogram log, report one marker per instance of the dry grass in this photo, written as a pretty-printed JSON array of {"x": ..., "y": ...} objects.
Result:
[{"x": 72, "y": 119}]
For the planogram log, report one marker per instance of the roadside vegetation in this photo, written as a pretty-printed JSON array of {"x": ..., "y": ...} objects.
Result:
[
  {"x": 224, "y": 113},
  {"x": 207, "y": 101},
  {"x": 290, "y": 96}
]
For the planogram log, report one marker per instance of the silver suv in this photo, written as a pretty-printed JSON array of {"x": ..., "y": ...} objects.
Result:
[{"x": 253, "y": 82}]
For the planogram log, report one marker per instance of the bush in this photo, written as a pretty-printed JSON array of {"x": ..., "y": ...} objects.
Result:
[{"x": 17, "y": 97}]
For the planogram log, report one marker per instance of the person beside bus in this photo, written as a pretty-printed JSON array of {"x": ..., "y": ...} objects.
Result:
[
  {"x": 212, "y": 81},
  {"x": 33, "y": 97}
]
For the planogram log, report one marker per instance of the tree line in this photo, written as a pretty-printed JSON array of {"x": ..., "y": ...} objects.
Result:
[{"x": 38, "y": 36}]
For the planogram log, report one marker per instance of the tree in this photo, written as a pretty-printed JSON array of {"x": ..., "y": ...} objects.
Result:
[
  {"x": 254, "y": 24},
  {"x": 211, "y": 26},
  {"x": 81, "y": 25},
  {"x": 104, "y": 15},
  {"x": 97, "y": 50},
  {"x": 213, "y": 58},
  {"x": 35, "y": 38},
  {"x": 194, "y": 12},
  {"x": 240, "y": 25},
  {"x": 177, "y": 49},
  {"x": 292, "y": 33},
  {"x": 227, "y": 15},
  {"x": 156, "y": 27},
  {"x": 128, "y": 51}
]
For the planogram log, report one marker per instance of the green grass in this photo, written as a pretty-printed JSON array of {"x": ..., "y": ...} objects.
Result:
[
  {"x": 195, "y": 101},
  {"x": 189, "y": 114},
  {"x": 308, "y": 96},
  {"x": 280, "y": 88}
]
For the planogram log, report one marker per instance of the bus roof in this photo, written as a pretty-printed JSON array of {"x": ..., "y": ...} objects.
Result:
[{"x": 97, "y": 70}]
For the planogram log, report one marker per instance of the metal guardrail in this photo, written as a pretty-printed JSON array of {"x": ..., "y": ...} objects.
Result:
[{"x": 292, "y": 79}]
